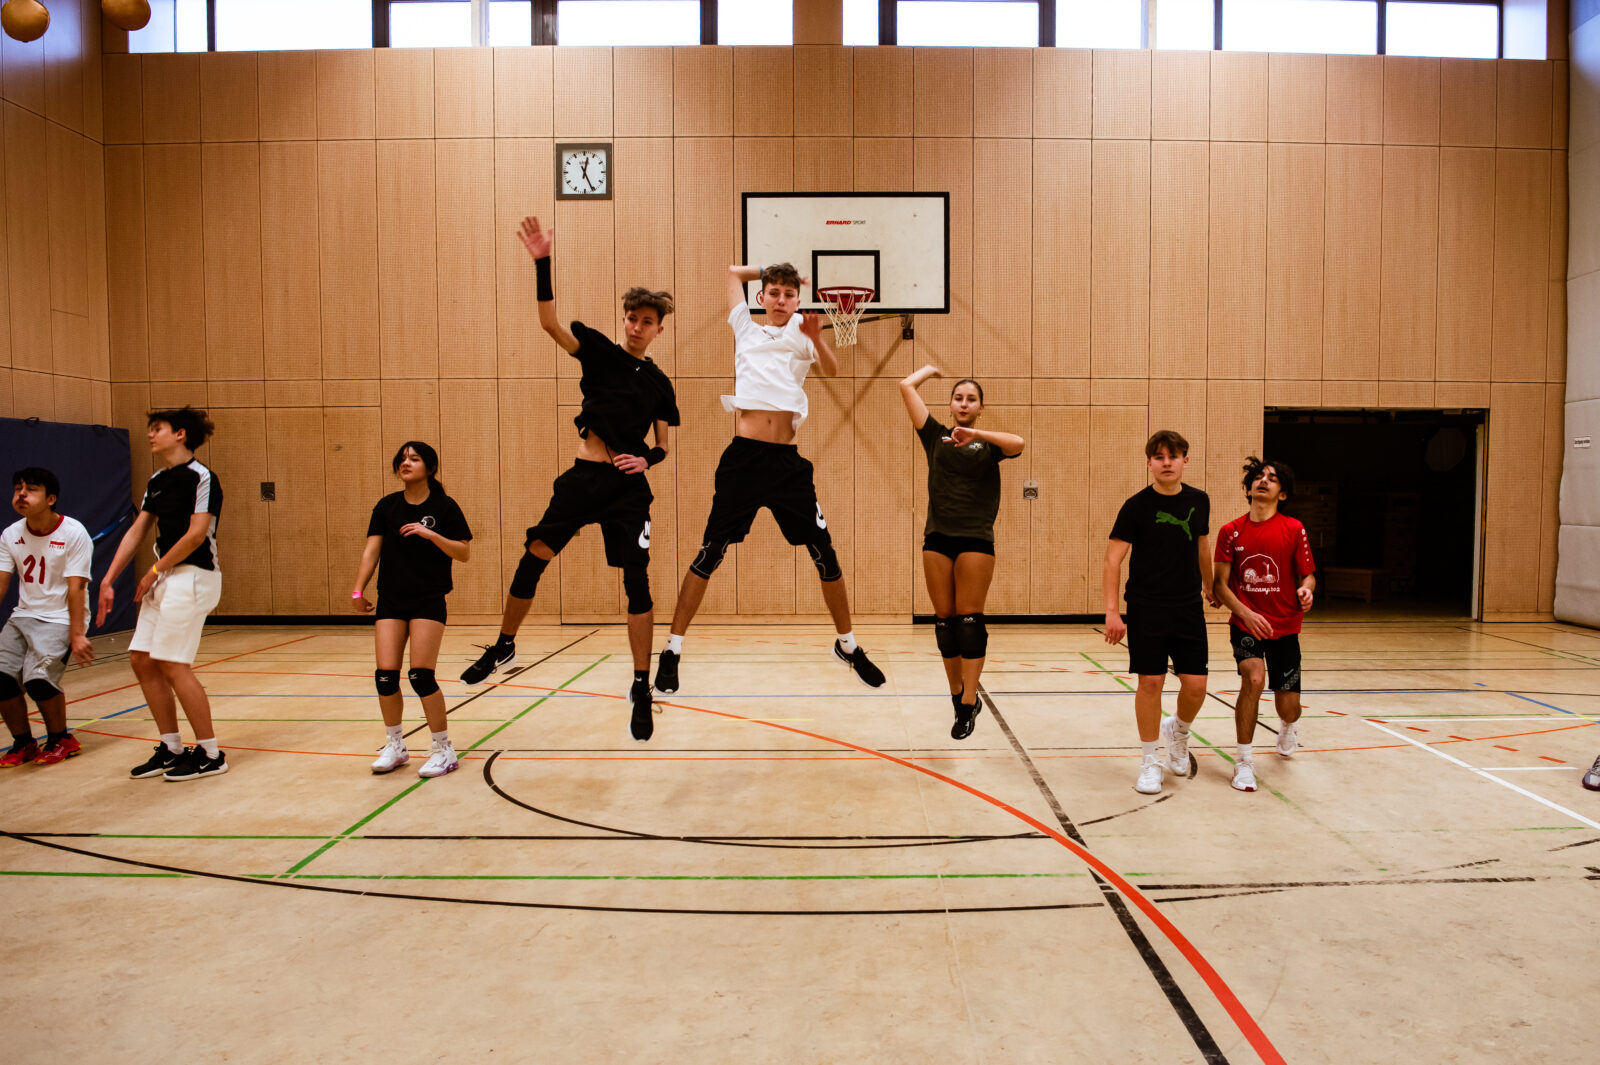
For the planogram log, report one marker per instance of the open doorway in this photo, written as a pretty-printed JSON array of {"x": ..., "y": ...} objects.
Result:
[{"x": 1391, "y": 502}]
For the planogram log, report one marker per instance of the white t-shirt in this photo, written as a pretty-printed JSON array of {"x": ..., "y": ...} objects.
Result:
[
  {"x": 769, "y": 365},
  {"x": 41, "y": 565}
]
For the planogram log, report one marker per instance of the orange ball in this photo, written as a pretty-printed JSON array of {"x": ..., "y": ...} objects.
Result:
[
  {"x": 129, "y": 15},
  {"x": 25, "y": 20}
]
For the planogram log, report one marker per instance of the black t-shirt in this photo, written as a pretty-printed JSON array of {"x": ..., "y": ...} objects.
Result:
[
  {"x": 174, "y": 495},
  {"x": 963, "y": 484},
  {"x": 622, "y": 396},
  {"x": 412, "y": 568},
  {"x": 1165, "y": 532}
]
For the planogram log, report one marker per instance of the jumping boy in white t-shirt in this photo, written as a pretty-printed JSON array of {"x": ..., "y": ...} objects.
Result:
[
  {"x": 761, "y": 467},
  {"x": 50, "y": 553}
]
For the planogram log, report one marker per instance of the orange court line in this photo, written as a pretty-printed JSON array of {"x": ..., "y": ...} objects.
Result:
[{"x": 203, "y": 665}]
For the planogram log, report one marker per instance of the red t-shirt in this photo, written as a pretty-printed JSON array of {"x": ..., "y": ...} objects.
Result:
[{"x": 1269, "y": 559}]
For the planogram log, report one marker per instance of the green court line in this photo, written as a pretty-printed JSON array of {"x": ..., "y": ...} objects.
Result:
[
  {"x": 334, "y": 840},
  {"x": 1106, "y": 671}
]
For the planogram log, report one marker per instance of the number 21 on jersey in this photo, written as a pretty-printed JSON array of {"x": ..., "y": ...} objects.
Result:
[{"x": 28, "y": 566}]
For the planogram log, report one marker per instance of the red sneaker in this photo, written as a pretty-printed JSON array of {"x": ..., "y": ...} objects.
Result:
[
  {"x": 59, "y": 752},
  {"x": 19, "y": 754}
]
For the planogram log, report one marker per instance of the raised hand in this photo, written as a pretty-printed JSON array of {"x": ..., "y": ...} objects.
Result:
[
  {"x": 539, "y": 242},
  {"x": 811, "y": 324},
  {"x": 962, "y": 435}
]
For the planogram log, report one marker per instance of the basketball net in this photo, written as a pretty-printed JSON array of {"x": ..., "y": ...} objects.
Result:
[{"x": 845, "y": 304}]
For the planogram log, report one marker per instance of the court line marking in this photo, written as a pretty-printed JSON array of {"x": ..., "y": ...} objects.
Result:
[{"x": 1486, "y": 775}]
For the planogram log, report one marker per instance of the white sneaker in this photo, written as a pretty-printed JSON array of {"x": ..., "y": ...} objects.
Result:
[
  {"x": 1177, "y": 746},
  {"x": 392, "y": 757},
  {"x": 1149, "y": 782},
  {"x": 1289, "y": 739},
  {"x": 1244, "y": 775},
  {"x": 442, "y": 760}
]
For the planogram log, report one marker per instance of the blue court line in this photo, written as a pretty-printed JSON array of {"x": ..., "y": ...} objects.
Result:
[{"x": 1551, "y": 706}]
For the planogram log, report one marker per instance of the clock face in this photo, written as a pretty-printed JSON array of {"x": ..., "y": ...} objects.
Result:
[{"x": 584, "y": 172}]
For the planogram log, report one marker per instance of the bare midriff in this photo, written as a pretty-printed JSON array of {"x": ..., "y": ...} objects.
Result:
[
  {"x": 769, "y": 426},
  {"x": 594, "y": 449}
]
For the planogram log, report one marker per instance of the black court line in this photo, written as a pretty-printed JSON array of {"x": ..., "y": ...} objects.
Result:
[
  {"x": 1572, "y": 655},
  {"x": 1580, "y": 843},
  {"x": 487, "y": 688},
  {"x": 1181, "y": 1005},
  {"x": 1259, "y": 723}
]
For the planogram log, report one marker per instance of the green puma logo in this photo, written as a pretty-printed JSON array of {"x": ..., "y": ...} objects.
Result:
[{"x": 1163, "y": 518}]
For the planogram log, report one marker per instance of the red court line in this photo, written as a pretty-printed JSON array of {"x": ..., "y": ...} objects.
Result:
[
  {"x": 1503, "y": 747},
  {"x": 1558, "y": 761},
  {"x": 203, "y": 665}
]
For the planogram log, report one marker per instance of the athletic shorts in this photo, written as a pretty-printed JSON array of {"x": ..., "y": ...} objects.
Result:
[
  {"x": 31, "y": 649},
  {"x": 1159, "y": 634},
  {"x": 1282, "y": 657},
  {"x": 430, "y": 609},
  {"x": 173, "y": 615},
  {"x": 951, "y": 546},
  {"x": 753, "y": 474},
  {"x": 597, "y": 493}
]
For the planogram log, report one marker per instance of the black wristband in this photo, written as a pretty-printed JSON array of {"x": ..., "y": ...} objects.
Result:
[
  {"x": 655, "y": 455},
  {"x": 541, "y": 267}
]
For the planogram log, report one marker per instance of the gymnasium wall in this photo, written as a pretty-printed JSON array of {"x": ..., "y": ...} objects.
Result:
[
  {"x": 319, "y": 247},
  {"x": 1578, "y": 578},
  {"x": 55, "y": 358}
]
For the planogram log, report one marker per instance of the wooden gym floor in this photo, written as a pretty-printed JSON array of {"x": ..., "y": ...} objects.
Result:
[{"x": 801, "y": 870}]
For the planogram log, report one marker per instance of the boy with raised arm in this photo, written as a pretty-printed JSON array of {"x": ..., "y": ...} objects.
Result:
[
  {"x": 625, "y": 395},
  {"x": 761, "y": 467}
]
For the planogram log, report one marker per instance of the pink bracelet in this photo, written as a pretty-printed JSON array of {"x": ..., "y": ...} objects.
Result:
[{"x": 358, "y": 595}]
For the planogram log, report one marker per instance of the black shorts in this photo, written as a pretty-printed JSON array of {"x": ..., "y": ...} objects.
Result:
[
  {"x": 753, "y": 474},
  {"x": 598, "y": 493},
  {"x": 1282, "y": 657},
  {"x": 1157, "y": 634},
  {"x": 430, "y": 609},
  {"x": 951, "y": 546}
]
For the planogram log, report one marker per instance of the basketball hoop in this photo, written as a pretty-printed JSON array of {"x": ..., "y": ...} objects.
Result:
[{"x": 844, "y": 304}]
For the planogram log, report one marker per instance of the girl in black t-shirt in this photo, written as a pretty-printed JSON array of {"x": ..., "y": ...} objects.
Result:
[
  {"x": 958, "y": 538},
  {"x": 414, "y": 536}
]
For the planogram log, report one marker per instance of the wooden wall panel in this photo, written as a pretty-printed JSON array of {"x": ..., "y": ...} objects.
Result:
[
  {"x": 587, "y": 283},
  {"x": 763, "y": 91},
  {"x": 1511, "y": 518},
  {"x": 529, "y": 463},
  {"x": 1060, "y": 575},
  {"x": 884, "y": 462},
  {"x": 1002, "y": 231},
  {"x": 703, "y": 237},
  {"x": 238, "y": 455},
  {"x": 823, "y": 89},
  {"x": 1467, "y": 90},
  {"x": 355, "y": 476},
  {"x": 1352, "y": 262},
  {"x": 524, "y": 92},
  {"x": 72, "y": 399},
  {"x": 27, "y": 239},
  {"x": 644, "y": 227},
  {"x": 1411, "y": 108},
  {"x": 229, "y": 107},
  {"x": 1179, "y": 235},
  {"x": 1116, "y": 471},
  {"x": 346, "y": 94},
  {"x": 1466, "y": 263},
  {"x": 1410, "y": 262},
  {"x": 883, "y": 92},
  {"x": 642, "y": 82},
  {"x": 1003, "y": 92},
  {"x": 67, "y": 208},
  {"x": 171, "y": 97},
  {"x": 1233, "y": 431},
  {"x": 122, "y": 80},
  {"x": 175, "y": 268},
  {"x": 466, "y": 239},
  {"x": 231, "y": 176},
  {"x": 1555, "y": 410},
  {"x": 945, "y": 164},
  {"x": 63, "y": 47},
  {"x": 463, "y": 91},
  {"x": 1355, "y": 99},
  {"x": 1180, "y": 405},
  {"x": 1238, "y": 96},
  {"x": 469, "y": 466},
  {"x": 1297, "y": 98},
  {"x": 1011, "y": 589},
  {"x": 403, "y": 87},
  {"x": 1122, "y": 94},
  {"x": 124, "y": 211},
  {"x": 1522, "y": 109},
  {"x": 94, "y": 182},
  {"x": 942, "y": 92},
  {"x": 5, "y": 268},
  {"x": 702, "y": 92},
  {"x": 1063, "y": 92},
  {"x": 347, "y": 192},
  {"x": 706, "y": 431},
  {"x": 287, "y": 95},
  {"x": 299, "y": 518},
  {"x": 828, "y": 440},
  {"x": 1521, "y": 262},
  {"x": 1061, "y": 259},
  {"x": 522, "y": 186},
  {"x": 1120, "y": 258},
  {"x": 882, "y": 164},
  {"x": 291, "y": 308},
  {"x": 582, "y": 88},
  {"x": 1295, "y": 174},
  {"x": 824, "y": 164},
  {"x": 1236, "y": 304},
  {"x": 408, "y": 276},
  {"x": 1180, "y": 95}
]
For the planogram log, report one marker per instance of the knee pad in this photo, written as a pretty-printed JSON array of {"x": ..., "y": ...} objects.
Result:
[
  {"x": 41, "y": 690},
  {"x": 636, "y": 585},
  {"x": 974, "y": 636},
  {"x": 709, "y": 558},
  {"x": 8, "y": 686},
  {"x": 944, "y": 634},
  {"x": 387, "y": 681},
  {"x": 526, "y": 580},
  {"x": 826, "y": 561},
  {"x": 422, "y": 681}
]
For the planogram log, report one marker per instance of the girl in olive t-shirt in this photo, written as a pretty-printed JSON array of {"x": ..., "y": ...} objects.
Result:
[{"x": 958, "y": 539}]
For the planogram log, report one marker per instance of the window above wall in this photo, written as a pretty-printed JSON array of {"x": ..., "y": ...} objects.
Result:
[
  {"x": 627, "y": 22},
  {"x": 968, "y": 23}
]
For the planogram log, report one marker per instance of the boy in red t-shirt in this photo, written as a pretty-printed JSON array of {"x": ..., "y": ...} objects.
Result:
[{"x": 1264, "y": 573}]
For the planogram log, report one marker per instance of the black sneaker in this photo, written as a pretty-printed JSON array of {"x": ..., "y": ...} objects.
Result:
[
  {"x": 495, "y": 657},
  {"x": 860, "y": 664},
  {"x": 193, "y": 763},
  {"x": 159, "y": 763},
  {"x": 966, "y": 720},
  {"x": 642, "y": 725},
  {"x": 667, "y": 673}
]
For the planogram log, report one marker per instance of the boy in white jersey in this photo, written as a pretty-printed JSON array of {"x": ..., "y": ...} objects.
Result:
[
  {"x": 50, "y": 554},
  {"x": 761, "y": 467}
]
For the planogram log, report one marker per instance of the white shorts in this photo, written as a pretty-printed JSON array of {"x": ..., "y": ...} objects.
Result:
[{"x": 173, "y": 615}]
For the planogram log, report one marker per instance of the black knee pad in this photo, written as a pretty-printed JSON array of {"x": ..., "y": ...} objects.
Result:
[
  {"x": 8, "y": 686},
  {"x": 826, "y": 561},
  {"x": 422, "y": 681},
  {"x": 41, "y": 690},
  {"x": 709, "y": 558},
  {"x": 944, "y": 634},
  {"x": 636, "y": 585},
  {"x": 387, "y": 681},
  {"x": 973, "y": 637},
  {"x": 526, "y": 580}
]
